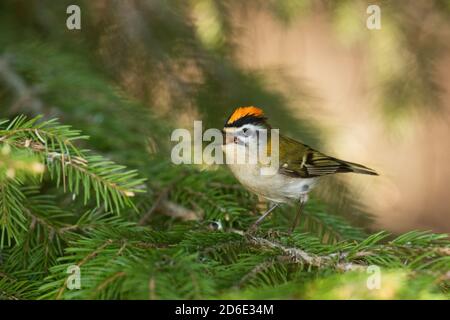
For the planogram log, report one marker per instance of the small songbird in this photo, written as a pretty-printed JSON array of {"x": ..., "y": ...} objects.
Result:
[{"x": 298, "y": 167}]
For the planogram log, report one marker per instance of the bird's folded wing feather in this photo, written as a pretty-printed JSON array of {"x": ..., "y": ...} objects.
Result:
[{"x": 299, "y": 160}]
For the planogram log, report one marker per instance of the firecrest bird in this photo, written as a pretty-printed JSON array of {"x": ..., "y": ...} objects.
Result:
[{"x": 299, "y": 166}]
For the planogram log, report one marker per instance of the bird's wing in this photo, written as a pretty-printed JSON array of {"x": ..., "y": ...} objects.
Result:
[{"x": 299, "y": 160}]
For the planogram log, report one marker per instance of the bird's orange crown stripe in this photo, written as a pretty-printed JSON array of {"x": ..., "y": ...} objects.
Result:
[{"x": 245, "y": 111}]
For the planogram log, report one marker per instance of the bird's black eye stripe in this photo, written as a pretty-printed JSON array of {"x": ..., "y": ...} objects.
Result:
[{"x": 245, "y": 120}]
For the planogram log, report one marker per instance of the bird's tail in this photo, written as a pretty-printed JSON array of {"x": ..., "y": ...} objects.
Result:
[{"x": 356, "y": 168}]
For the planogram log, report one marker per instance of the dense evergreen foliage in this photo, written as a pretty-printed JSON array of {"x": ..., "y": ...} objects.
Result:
[{"x": 108, "y": 200}]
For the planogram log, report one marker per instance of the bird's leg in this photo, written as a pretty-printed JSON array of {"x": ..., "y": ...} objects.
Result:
[
  {"x": 303, "y": 199},
  {"x": 255, "y": 225}
]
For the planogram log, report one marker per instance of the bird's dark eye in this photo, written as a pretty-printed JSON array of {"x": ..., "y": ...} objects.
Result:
[{"x": 245, "y": 130}]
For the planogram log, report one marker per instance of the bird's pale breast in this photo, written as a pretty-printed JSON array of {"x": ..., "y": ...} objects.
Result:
[{"x": 277, "y": 187}]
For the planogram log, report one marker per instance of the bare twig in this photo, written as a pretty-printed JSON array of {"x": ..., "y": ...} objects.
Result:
[
  {"x": 151, "y": 288},
  {"x": 300, "y": 256},
  {"x": 173, "y": 209},
  {"x": 163, "y": 194},
  {"x": 168, "y": 207}
]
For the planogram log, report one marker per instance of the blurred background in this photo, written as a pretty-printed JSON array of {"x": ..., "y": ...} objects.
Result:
[{"x": 376, "y": 97}]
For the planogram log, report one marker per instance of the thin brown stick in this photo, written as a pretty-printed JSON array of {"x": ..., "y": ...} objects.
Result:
[
  {"x": 110, "y": 279},
  {"x": 159, "y": 200},
  {"x": 163, "y": 194}
]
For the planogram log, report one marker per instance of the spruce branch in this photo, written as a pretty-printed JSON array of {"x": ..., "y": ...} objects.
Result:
[
  {"x": 12, "y": 288},
  {"x": 12, "y": 219},
  {"x": 300, "y": 256},
  {"x": 77, "y": 171}
]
